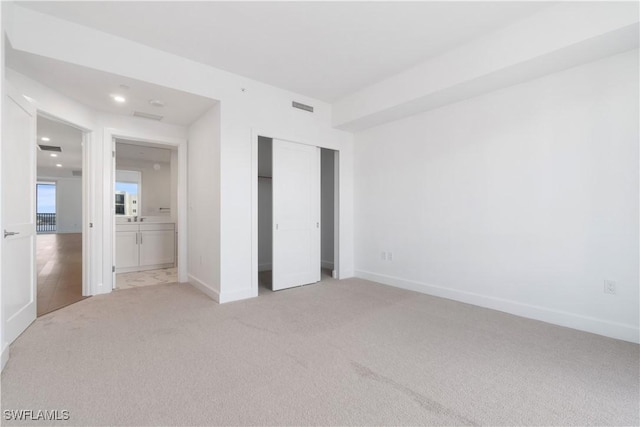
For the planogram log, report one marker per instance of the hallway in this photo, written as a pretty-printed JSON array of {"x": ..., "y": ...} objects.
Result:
[{"x": 59, "y": 268}]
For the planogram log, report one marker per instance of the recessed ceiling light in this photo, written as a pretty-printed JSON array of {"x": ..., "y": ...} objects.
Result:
[
  {"x": 53, "y": 155},
  {"x": 44, "y": 138},
  {"x": 119, "y": 98},
  {"x": 58, "y": 165}
]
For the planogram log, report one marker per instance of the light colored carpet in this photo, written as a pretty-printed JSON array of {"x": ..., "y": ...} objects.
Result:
[{"x": 335, "y": 353}]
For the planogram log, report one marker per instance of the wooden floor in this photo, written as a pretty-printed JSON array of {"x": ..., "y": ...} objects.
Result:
[{"x": 59, "y": 266}]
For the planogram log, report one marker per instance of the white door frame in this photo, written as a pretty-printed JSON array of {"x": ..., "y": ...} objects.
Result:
[
  {"x": 255, "y": 134},
  {"x": 110, "y": 134},
  {"x": 87, "y": 196}
]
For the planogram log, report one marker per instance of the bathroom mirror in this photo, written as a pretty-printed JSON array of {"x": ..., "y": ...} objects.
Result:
[{"x": 128, "y": 193}]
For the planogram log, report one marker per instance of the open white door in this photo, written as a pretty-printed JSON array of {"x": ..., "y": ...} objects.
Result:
[
  {"x": 296, "y": 214},
  {"x": 18, "y": 214}
]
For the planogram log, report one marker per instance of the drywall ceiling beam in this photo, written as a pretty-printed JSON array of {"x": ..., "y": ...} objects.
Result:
[{"x": 556, "y": 38}]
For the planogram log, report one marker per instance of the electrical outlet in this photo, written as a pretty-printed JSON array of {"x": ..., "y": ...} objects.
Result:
[
  {"x": 609, "y": 287},
  {"x": 389, "y": 256},
  {"x": 383, "y": 256}
]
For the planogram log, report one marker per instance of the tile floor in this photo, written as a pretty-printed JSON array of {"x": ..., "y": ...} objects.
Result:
[
  {"x": 146, "y": 278},
  {"x": 59, "y": 267}
]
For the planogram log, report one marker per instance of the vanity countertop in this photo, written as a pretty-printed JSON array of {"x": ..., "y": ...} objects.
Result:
[{"x": 144, "y": 220}]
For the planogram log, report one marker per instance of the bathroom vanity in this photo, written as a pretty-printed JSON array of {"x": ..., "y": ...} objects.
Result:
[{"x": 145, "y": 246}]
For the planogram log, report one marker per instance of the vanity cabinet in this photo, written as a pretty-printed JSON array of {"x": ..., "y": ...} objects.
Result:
[
  {"x": 145, "y": 246},
  {"x": 126, "y": 249}
]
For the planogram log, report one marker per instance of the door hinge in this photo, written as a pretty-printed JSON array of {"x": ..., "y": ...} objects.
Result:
[
  {"x": 113, "y": 268},
  {"x": 113, "y": 153},
  {"x": 90, "y": 225}
]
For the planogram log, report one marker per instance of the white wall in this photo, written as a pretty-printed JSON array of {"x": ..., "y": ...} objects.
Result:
[
  {"x": 99, "y": 173},
  {"x": 524, "y": 200},
  {"x": 69, "y": 205},
  {"x": 204, "y": 202},
  {"x": 68, "y": 110},
  {"x": 327, "y": 207},
  {"x": 107, "y": 127},
  {"x": 265, "y": 204},
  {"x": 247, "y": 107},
  {"x": 173, "y": 202},
  {"x": 574, "y": 33}
]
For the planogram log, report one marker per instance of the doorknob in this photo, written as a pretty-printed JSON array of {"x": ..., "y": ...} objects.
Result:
[{"x": 10, "y": 233}]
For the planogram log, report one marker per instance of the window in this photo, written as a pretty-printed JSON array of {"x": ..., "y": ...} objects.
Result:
[
  {"x": 128, "y": 189},
  {"x": 45, "y": 207}
]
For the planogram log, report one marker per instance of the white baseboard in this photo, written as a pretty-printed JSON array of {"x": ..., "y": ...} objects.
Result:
[
  {"x": 101, "y": 289},
  {"x": 562, "y": 318},
  {"x": 5, "y": 356},
  {"x": 204, "y": 288},
  {"x": 346, "y": 274},
  {"x": 237, "y": 295},
  {"x": 327, "y": 264},
  {"x": 220, "y": 297},
  {"x": 265, "y": 267}
]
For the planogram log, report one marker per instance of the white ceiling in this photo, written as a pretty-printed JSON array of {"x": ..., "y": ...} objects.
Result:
[
  {"x": 94, "y": 89},
  {"x": 324, "y": 50},
  {"x": 64, "y": 136},
  {"x": 133, "y": 151}
]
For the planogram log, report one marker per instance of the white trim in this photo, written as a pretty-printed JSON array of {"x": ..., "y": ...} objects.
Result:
[
  {"x": 87, "y": 212},
  {"x": 336, "y": 215},
  {"x": 255, "y": 134},
  {"x": 88, "y": 201},
  {"x": 5, "y": 356},
  {"x": 108, "y": 215},
  {"x": 254, "y": 213},
  {"x": 156, "y": 138},
  {"x": 236, "y": 295},
  {"x": 204, "y": 288},
  {"x": 557, "y": 317}
]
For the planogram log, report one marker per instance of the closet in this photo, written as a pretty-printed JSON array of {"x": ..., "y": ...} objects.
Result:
[{"x": 291, "y": 244}]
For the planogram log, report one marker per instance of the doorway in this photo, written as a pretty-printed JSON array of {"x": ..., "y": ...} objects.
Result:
[
  {"x": 296, "y": 189},
  {"x": 328, "y": 205},
  {"x": 59, "y": 214},
  {"x": 145, "y": 210}
]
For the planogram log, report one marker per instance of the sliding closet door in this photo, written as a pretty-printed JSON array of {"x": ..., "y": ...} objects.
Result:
[{"x": 296, "y": 214}]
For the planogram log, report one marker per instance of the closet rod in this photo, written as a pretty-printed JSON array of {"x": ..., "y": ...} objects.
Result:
[{"x": 265, "y": 177}]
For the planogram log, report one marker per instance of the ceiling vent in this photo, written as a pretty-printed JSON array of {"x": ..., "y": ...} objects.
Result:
[
  {"x": 76, "y": 173},
  {"x": 301, "y": 106},
  {"x": 50, "y": 148},
  {"x": 147, "y": 115}
]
